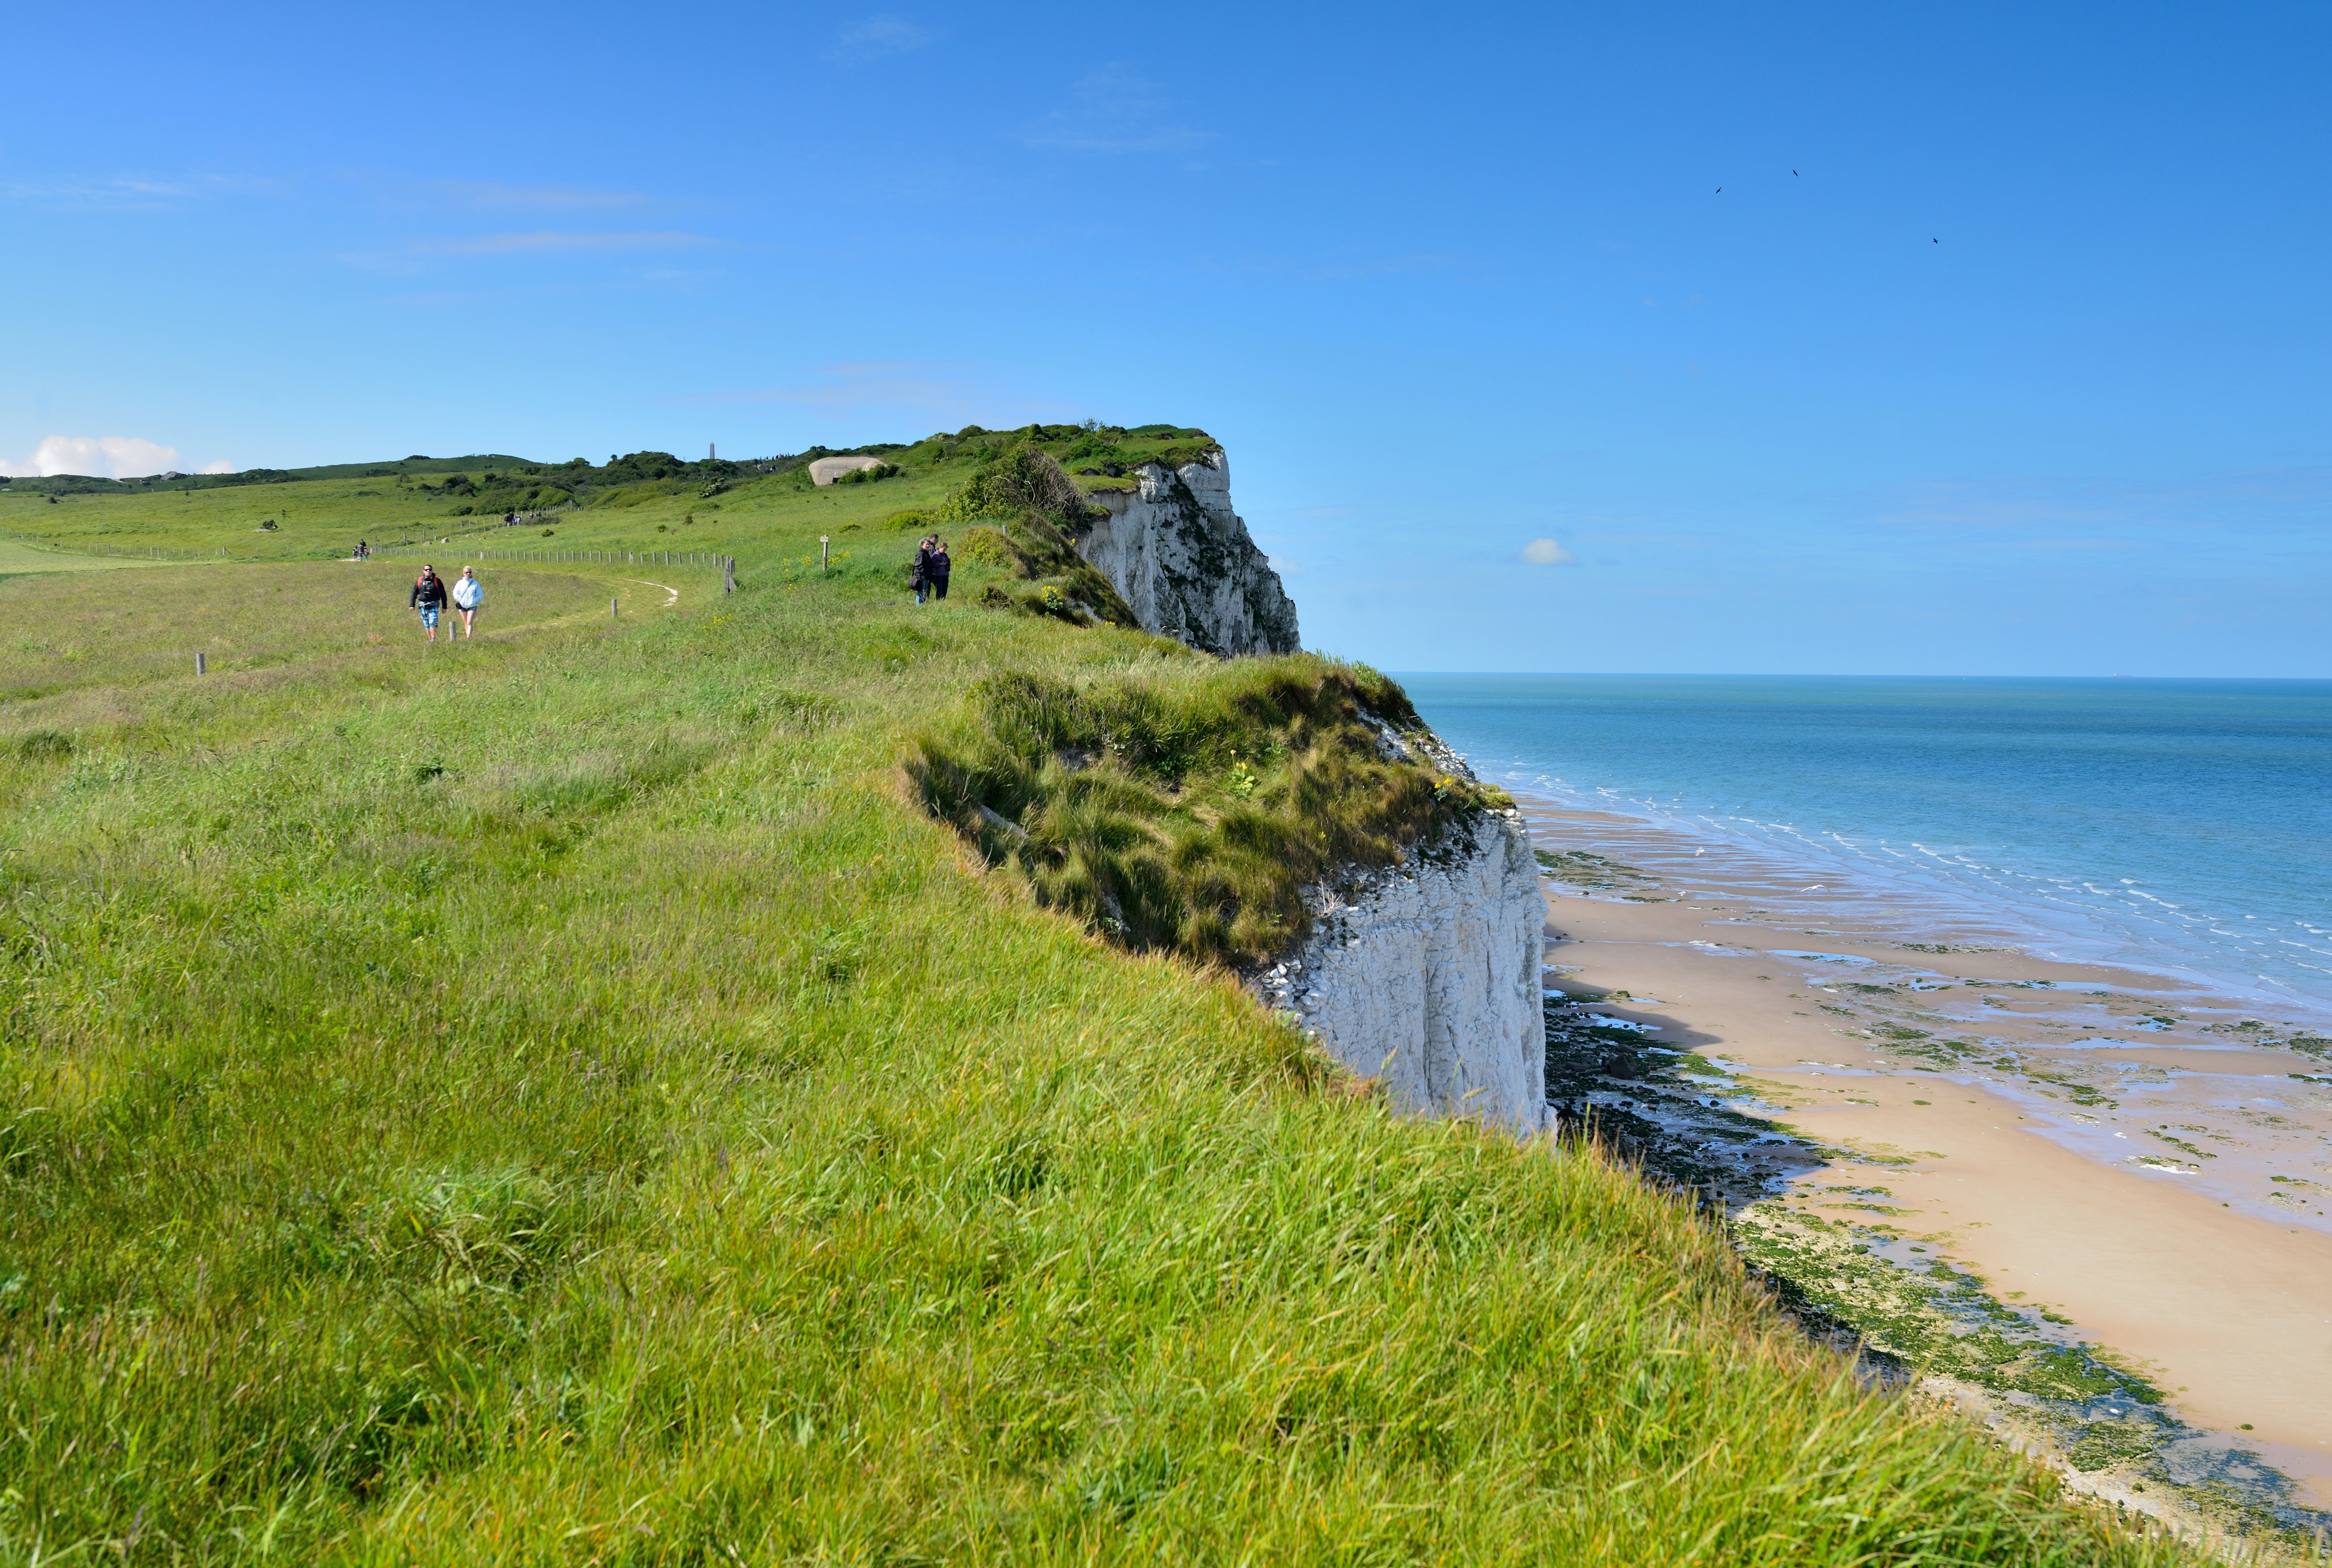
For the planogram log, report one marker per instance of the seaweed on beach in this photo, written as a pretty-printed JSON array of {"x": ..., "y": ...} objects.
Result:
[
  {"x": 1595, "y": 874},
  {"x": 1669, "y": 1111}
]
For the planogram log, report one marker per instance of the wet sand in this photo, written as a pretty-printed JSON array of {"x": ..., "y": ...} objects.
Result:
[{"x": 2128, "y": 1151}]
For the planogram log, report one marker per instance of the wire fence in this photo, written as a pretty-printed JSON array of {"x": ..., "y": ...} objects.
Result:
[
  {"x": 122, "y": 551},
  {"x": 665, "y": 560}
]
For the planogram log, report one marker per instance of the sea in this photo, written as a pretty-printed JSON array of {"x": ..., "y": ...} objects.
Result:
[{"x": 2181, "y": 828}]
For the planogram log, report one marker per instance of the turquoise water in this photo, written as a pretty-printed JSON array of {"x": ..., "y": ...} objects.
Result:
[{"x": 2182, "y": 826}]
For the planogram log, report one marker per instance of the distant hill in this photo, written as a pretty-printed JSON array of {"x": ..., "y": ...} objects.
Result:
[
  {"x": 497, "y": 480},
  {"x": 85, "y": 485}
]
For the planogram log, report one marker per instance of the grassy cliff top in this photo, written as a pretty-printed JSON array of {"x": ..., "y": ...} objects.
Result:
[
  {"x": 1090, "y": 445},
  {"x": 320, "y": 512},
  {"x": 565, "y": 1097}
]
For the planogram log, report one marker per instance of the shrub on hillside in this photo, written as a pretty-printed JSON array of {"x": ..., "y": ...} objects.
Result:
[
  {"x": 641, "y": 465},
  {"x": 1093, "y": 448},
  {"x": 1025, "y": 479}
]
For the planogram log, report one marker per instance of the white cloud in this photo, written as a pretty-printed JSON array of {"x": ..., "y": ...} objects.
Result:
[
  {"x": 1545, "y": 552},
  {"x": 95, "y": 456},
  {"x": 482, "y": 193},
  {"x": 127, "y": 193},
  {"x": 504, "y": 244},
  {"x": 881, "y": 35},
  {"x": 221, "y": 466},
  {"x": 1115, "y": 112},
  {"x": 415, "y": 254}
]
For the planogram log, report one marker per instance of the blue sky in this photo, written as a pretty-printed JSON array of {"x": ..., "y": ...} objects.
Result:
[{"x": 1984, "y": 339}]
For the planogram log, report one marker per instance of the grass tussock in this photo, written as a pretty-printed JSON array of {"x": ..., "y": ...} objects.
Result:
[
  {"x": 1025, "y": 479},
  {"x": 1185, "y": 804},
  {"x": 555, "y": 1106}
]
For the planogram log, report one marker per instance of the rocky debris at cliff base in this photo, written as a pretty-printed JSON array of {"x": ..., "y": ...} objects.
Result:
[{"x": 1673, "y": 1112}]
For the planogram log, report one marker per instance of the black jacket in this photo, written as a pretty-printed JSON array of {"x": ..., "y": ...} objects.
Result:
[
  {"x": 428, "y": 595},
  {"x": 937, "y": 567}
]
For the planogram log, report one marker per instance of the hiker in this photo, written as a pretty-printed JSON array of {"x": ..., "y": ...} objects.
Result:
[
  {"x": 938, "y": 569},
  {"x": 922, "y": 578},
  {"x": 469, "y": 597},
  {"x": 429, "y": 597}
]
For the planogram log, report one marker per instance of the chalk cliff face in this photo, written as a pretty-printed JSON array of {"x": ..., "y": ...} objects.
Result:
[
  {"x": 1428, "y": 977},
  {"x": 1179, "y": 556}
]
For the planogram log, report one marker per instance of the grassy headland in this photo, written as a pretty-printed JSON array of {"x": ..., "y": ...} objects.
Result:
[{"x": 564, "y": 1098}]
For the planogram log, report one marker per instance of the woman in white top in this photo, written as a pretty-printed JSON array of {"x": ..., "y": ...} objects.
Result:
[{"x": 469, "y": 597}]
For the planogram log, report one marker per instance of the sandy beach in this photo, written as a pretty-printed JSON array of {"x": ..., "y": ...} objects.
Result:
[{"x": 2123, "y": 1160}]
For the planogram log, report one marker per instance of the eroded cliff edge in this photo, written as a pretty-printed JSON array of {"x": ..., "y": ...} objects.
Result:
[
  {"x": 1428, "y": 975},
  {"x": 1182, "y": 559}
]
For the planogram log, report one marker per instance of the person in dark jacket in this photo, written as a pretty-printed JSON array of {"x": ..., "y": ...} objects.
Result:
[
  {"x": 429, "y": 597},
  {"x": 922, "y": 577},
  {"x": 937, "y": 569}
]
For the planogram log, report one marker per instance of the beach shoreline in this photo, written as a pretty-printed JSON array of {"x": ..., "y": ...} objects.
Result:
[{"x": 2130, "y": 1165}]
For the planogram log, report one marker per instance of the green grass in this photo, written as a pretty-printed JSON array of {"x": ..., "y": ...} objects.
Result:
[
  {"x": 17, "y": 560},
  {"x": 565, "y": 1100},
  {"x": 95, "y": 633}
]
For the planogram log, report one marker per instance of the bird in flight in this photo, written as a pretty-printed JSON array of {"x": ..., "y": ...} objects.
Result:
[
  {"x": 1794, "y": 174},
  {"x": 1720, "y": 190},
  {"x": 1934, "y": 242}
]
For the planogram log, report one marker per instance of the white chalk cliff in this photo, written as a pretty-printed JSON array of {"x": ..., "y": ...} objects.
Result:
[
  {"x": 1428, "y": 976},
  {"x": 1182, "y": 561}
]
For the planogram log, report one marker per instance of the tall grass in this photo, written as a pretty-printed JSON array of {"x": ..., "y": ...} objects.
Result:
[
  {"x": 1186, "y": 805},
  {"x": 89, "y": 631},
  {"x": 572, "y": 1104}
]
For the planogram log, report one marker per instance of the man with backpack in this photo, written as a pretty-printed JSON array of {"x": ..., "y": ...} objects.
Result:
[{"x": 429, "y": 597}]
